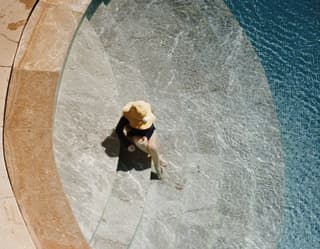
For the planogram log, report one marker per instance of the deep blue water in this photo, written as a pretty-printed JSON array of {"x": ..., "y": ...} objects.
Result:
[{"x": 286, "y": 36}]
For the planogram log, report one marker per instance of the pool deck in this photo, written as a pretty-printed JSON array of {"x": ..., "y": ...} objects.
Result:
[{"x": 34, "y": 210}]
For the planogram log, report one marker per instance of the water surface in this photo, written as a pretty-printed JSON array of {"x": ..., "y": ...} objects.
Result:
[{"x": 286, "y": 36}]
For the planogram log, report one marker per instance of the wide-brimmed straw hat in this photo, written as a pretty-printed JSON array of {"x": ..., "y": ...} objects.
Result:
[{"x": 139, "y": 114}]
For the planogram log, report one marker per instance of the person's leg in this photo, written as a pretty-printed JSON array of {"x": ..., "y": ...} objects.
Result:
[
  {"x": 141, "y": 143},
  {"x": 151, "y": 147},
  {"x": 153, "y": 151}
]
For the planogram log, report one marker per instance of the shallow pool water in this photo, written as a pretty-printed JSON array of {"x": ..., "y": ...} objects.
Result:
[
  {"x": 286, "y": 36},
  {"x": 217, "y": 121}
]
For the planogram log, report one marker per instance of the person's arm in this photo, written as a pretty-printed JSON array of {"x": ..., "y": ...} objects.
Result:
[{"x": 119, "y": 130}]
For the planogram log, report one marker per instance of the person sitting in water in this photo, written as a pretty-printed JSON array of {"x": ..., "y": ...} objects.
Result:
[{"x": 136, "y": 129}]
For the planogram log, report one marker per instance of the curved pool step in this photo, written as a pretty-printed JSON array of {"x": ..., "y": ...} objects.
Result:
[
  {"x": 107, "y": 203},
  {"x": 83, "y": 122},
  {"x": 123, "y": 211}
]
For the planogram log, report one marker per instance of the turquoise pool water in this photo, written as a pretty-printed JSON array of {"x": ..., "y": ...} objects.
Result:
[{"x": 286, "y": 36}]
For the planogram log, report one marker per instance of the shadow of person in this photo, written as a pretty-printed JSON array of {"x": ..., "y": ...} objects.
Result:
[
  {"x": 127, "y": 161},
  {"x": 112, "y": 145},
  {"x": 137, "y": 160}
]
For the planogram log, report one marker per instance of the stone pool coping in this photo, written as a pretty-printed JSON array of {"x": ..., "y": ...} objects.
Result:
[{"x": 34, "y": 43}]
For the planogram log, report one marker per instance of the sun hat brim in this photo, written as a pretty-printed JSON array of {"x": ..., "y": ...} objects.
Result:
[{"x": 139, "y": 114}]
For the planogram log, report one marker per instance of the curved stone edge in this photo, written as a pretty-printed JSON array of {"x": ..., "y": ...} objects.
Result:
[
  {"x": 14, "y": 15},
  {"x": 28, "y": 124}
]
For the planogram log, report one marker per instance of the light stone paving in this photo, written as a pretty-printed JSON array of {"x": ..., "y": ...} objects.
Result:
[{"x": 215, "y": 119}]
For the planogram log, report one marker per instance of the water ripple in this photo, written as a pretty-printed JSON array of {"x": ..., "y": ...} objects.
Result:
[{"x": 286, "y": 37}]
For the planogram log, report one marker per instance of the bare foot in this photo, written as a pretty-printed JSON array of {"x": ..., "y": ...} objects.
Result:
[{"x": 163, "y": 163}]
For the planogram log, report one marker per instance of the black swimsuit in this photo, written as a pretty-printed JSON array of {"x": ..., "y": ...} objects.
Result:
[
  {"x": 141, "y": 133},
  {"x": 123, "y": 122}
]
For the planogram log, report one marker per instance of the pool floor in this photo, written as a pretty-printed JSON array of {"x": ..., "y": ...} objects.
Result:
[{"x": 286, "y": 37}]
